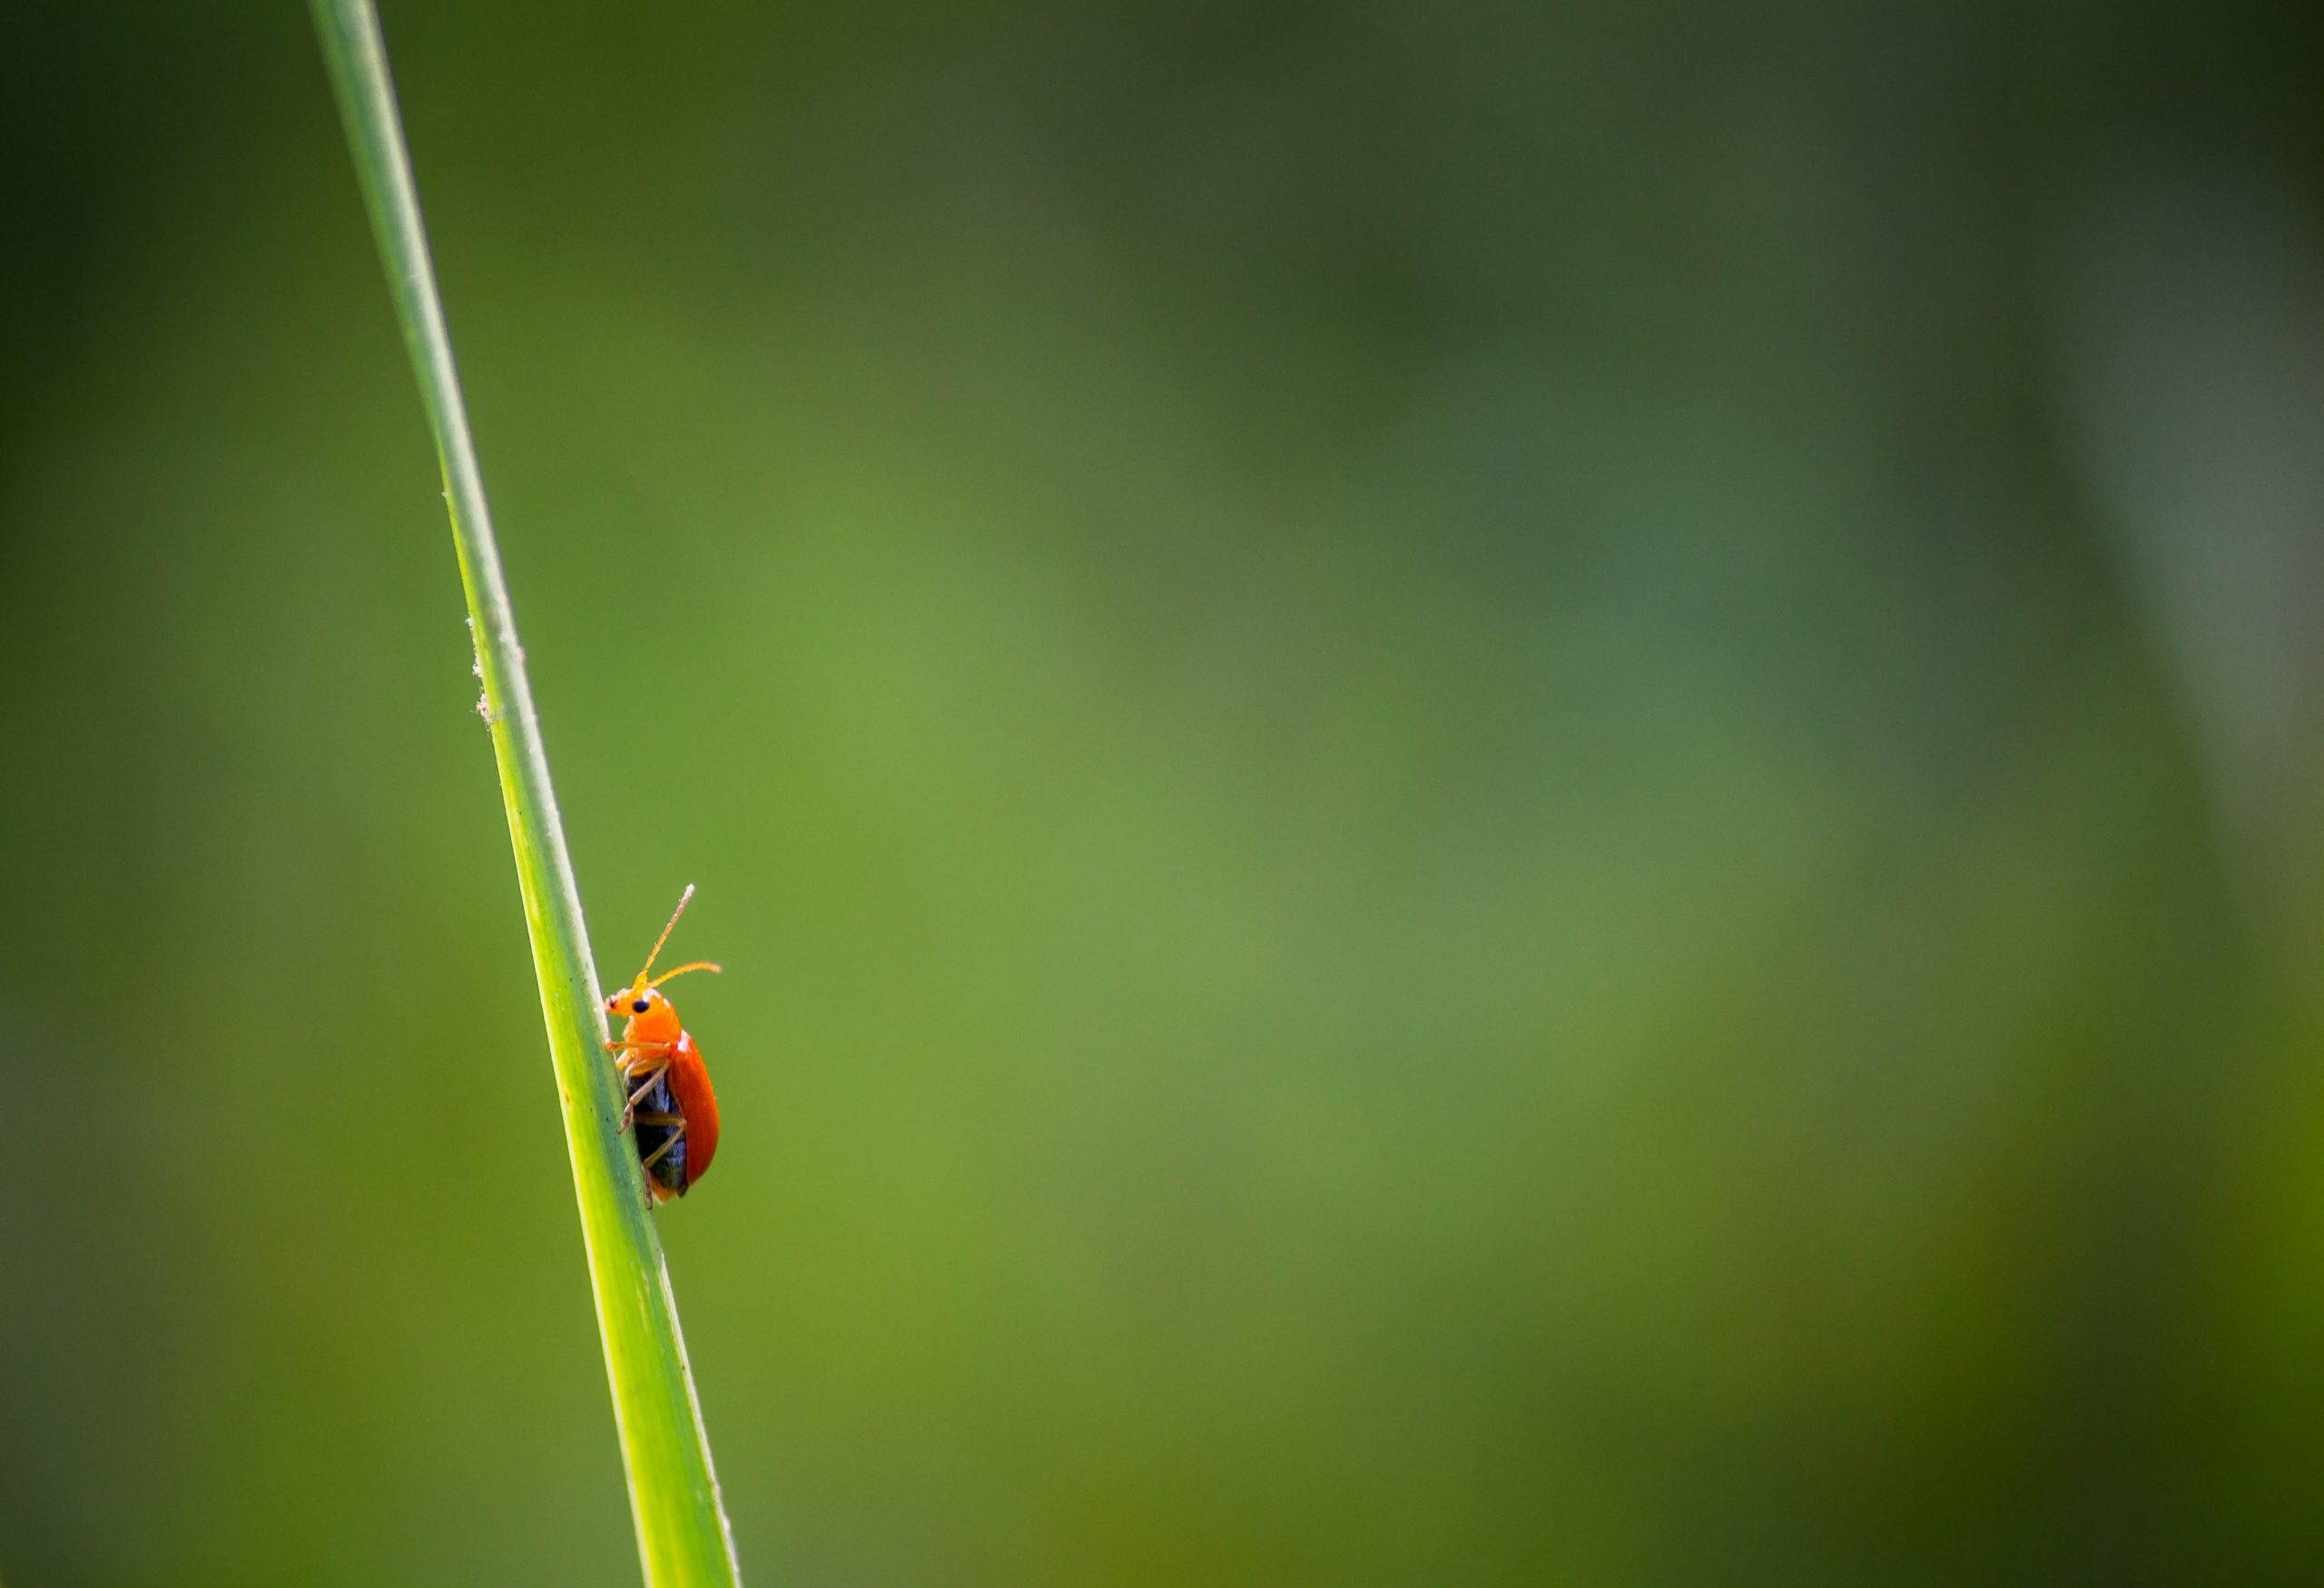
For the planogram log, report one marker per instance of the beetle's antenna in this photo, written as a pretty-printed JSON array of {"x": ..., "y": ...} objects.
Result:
[
  {"x": 682, "y": 970},
  {"x": 684, "y": 899}
]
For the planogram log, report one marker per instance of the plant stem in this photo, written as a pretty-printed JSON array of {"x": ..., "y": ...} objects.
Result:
[{"x": 682, "y": 1532}]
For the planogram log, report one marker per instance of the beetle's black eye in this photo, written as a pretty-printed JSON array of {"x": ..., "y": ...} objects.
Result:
[{"x": 640, "y": 1007}]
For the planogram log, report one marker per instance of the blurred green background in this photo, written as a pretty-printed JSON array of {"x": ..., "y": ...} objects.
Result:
[{"x": 1497, "y": 794}]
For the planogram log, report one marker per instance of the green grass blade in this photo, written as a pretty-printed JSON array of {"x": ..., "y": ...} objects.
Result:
[{"x": 681, "y": 1532}]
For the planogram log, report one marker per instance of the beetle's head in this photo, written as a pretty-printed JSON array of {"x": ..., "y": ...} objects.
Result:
[{"x": 634, "y": 1002}]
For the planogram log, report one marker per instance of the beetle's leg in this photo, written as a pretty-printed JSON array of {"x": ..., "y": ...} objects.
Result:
[
  {"x": 677, "y": 1134},
  {"x": 647, "y": 1080},
  {"x": 638, "y": 1063},
  {"x": 644, "y": 1057},
  {"x": 629, "y": 1104},
  {"x": 635, "y": 1059}
]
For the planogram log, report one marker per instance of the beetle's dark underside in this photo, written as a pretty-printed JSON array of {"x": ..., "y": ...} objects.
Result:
[{"x": 670, "y": 1170}]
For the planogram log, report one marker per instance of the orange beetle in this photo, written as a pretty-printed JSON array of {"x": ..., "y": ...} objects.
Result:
[{"x": 669, "y": 1098}]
